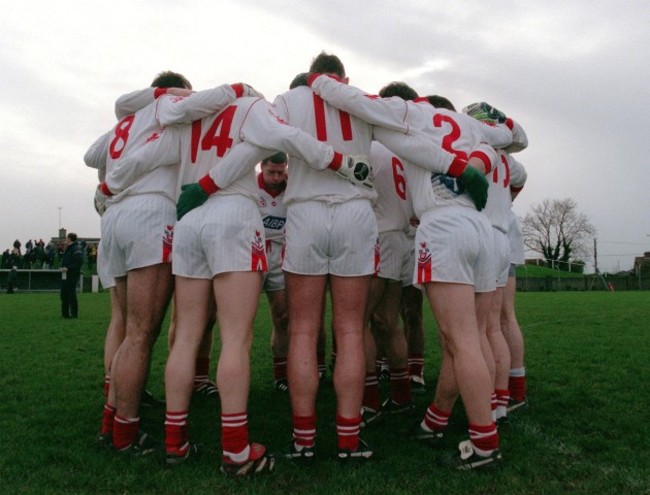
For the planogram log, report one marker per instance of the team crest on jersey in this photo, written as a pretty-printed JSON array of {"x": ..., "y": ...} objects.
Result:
[
  {"x": 262, "y": 202},
  {"x": 424, "y": 264},
  {"x": 168, "y": 238},
  {"x": 258, "y": 254}
]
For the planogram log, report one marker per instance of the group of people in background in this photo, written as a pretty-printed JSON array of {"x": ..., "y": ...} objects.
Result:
[{"x": 210, "y": 197}]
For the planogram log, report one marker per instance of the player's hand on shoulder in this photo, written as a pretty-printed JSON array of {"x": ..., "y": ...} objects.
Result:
[{"x": 243, "y": 89}]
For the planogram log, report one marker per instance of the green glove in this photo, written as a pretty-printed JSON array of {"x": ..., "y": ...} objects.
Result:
[
  {"x": 475, "y": 185},
  {"x": 485, "y": 112},
  {"x": 192, "y": 196}
]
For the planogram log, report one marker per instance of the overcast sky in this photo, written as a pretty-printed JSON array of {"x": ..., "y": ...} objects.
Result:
[{"x": 574, "y": 74}]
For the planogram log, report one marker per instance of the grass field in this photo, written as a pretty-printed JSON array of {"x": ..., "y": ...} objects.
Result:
[{"x": 586, "y": 432}]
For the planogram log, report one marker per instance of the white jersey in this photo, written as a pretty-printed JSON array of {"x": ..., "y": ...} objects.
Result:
[
  {"x": 456, "y": 133},
  {"x": 391, "y": 208},
  {"x": 125, "y": 176},
  {"x": 273, "y": 211},
  {"x": 300, "y": 108},
  {"x": 236, "y": 138},
  {"x": 507, "y": 173}
]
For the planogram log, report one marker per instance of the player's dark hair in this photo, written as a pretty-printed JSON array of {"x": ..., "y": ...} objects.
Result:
[
  {"x": 401, "y": 89},
  {"x": 279, "y": 157},
  {"x": 327, "y": 63},
  {"x": 441, "y": 102},
  {"x": 72, "y": 236},
  {"x": 169, "y": 79},
  {"x": 299, "y": 80}
]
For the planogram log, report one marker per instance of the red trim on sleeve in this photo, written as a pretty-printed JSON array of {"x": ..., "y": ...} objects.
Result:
[
  {"x": 484, "y": 158},
  {"x": 457, "y": 167},
  {"x": 336, "y": 162},
  {"x": 238, "y": 88},
  {"x": 421, "y": 99},
  {"x": 510, "y": 123},
  {"x": 158, "y": 92},
  {"x": 105, "y": 189},
  {"x": 208, "y": 185}
]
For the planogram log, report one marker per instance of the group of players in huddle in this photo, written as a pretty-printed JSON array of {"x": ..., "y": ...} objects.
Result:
[{"x": 380, "y": 193}]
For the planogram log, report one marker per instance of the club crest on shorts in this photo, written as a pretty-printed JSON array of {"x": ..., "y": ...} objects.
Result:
[
  {"x": 424, "y": 264},
  {"x": 258, "y": 254},
  {"x": 168, "y": 238}
]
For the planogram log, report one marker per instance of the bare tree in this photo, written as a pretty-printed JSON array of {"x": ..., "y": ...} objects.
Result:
[{"x": 558, "y": 231}]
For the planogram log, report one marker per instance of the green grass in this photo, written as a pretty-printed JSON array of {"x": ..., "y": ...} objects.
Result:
[{"x": 587, "y": 431}]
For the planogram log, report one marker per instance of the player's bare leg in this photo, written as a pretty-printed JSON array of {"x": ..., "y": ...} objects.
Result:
[
  {"x": 114, "y": 334},
  {"x": 349, "y": 300},
  {"x": 279, "y": 335},
  {"x": 387, "y": 317},
  {"x": 305, "y": 295},
  {"x": 514, "y": 338},
  {"x": 453, "y": 307},
  {"x": 148, "y": 291},
  {"x": 237, "y": 296},
  {"x": 500, "y": 352},
  {"x": 411, "y": 313},
  {"x": 193, "y": 311},
  {"x": 371, "y": 396},
  {"x": 483, "y": 302}
]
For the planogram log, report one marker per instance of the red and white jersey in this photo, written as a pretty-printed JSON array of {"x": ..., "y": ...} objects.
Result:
[
  {"x": 391, "y": 207},
  {"x": 456, "y": 133},
  {"x": 127, "y": 137},
  {"x": 273, "y": 211},
  {"x": 508, "y": 174},
  {"x": 301, "y": 108}
]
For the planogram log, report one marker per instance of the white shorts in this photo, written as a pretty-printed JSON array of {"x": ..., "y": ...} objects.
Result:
[
  {"x": 408, "y": 262},
  {"x": 455, "y": 245},
  {"x": 516, "y": 240},
  {"x": 394, "y": 249},
  {"x": 225, "y": 234},
  {"x": 107, "y": 282},
  {"x": 136, "y": 232},
  {"x": 335, "y": 238},
  {"x": 274, "y": 279},
  {"x": 501, "y": 256}
]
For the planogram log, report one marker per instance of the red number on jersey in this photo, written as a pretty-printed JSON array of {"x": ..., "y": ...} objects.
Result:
[
  {"x": 398, "y": 178},
  {"x": 121, "y": 137},
  {"x": 217, "y": 136},
  {"x": 448, "y": 141},
  {"x": 506, "y": 166},
  {"x": 321, "y": 127}
]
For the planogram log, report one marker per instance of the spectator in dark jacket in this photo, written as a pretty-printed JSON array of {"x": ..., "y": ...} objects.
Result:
[{"x": 70, "y": 271}]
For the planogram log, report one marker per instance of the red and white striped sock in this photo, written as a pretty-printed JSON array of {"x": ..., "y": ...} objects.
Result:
[
  {"x": 517, "y": 384},
  {"x": 108, "y": 416},
  {"x": 435, "y": 419},
  {"x": 371, "y": 396},
  {"x": 416, "y": 365},
  {"x": 176, "y": 433},
  {"x": 202, "y": 371},
  {"x": 347, "y": 432},
  {"x": 304, "y": 430},
  {"x": 400, "y": 386},
  {"x": 503, "y": 397},
  {"x": 279, "y": 368},
  {"x": 125, "y": 431},
  {"x": 485, "y": 439},
  {"x": 234, "y": 437}
]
